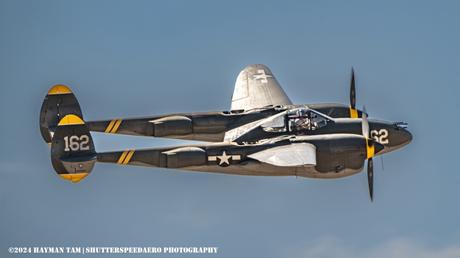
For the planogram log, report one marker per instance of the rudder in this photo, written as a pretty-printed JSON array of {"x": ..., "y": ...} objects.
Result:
[
  {"x": 72, "y": 149},
  {"x": 59, "y": 102}
]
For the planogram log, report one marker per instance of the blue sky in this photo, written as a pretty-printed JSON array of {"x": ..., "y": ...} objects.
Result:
[{"x": 136, "y": 58}]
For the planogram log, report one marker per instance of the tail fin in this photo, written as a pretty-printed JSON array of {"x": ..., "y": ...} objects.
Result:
[
  {"x": 72, "y": 149},
  {"x": 59, "y": 102}
]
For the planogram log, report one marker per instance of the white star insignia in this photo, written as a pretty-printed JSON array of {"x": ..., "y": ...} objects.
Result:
[{"x": 224, "y": 159}]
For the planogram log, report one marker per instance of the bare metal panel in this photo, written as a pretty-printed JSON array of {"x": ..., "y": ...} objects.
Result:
[{"x": 292, "y": 155}]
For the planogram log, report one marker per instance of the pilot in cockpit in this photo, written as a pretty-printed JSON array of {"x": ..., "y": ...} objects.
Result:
[{"x": 302, "y": 123}]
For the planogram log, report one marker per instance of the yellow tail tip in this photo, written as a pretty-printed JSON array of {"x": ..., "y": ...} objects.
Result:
[
  {"x": 74, "y": 178},
  {"x": 59, "y": 89},
  {"x": 71, "y": 120}
]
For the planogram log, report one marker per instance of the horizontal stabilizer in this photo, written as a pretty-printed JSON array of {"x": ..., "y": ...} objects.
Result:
[{"x": 292, "y": 155}]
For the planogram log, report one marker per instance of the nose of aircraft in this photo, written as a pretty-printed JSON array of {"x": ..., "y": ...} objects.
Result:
[
  {"x": 399, "y": 136},
  {"x": 407, "y": 136},
  {"x": 391, "y": 135}
]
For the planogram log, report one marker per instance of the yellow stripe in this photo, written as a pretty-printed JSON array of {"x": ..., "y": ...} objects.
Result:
[
  {"x": 115, "y": 127},
  {"x": 353, "y": 113},
  {"x": 128, "y": 158},
  {"x": 370, "y": 150},
  {"x": 122, "y": 157},
  {"x": 109, "y": 127}
]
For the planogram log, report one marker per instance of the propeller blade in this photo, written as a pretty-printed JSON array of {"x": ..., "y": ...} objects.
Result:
[
  {"x": 370, "y": 178},
  {"x": 365, "y": 124},
  {"x": 352, "y": 90}
]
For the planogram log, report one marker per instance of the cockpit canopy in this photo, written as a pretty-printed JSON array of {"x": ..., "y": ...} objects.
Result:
[{"x": 296, "y": 120}]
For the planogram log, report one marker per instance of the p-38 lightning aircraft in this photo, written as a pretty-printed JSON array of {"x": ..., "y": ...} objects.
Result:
[{"x": 264, "y": 134}]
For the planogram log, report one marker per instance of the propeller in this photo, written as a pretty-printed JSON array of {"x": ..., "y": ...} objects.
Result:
[
  {"x": 370, "y": 177},
  {"x": 353, "y": 111},
  {"x": 372, "y": 148}
]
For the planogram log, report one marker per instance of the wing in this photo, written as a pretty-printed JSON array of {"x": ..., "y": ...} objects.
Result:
[
  {"x": 256, "y": 87},
  {"x": 291, "y": 155}
]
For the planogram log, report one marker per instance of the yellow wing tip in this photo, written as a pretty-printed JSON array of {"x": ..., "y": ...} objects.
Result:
[
  {"x": 71, "y": 120},
  {"x": 74, "y": 178},
  {"x": 59, "y": 89}
]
